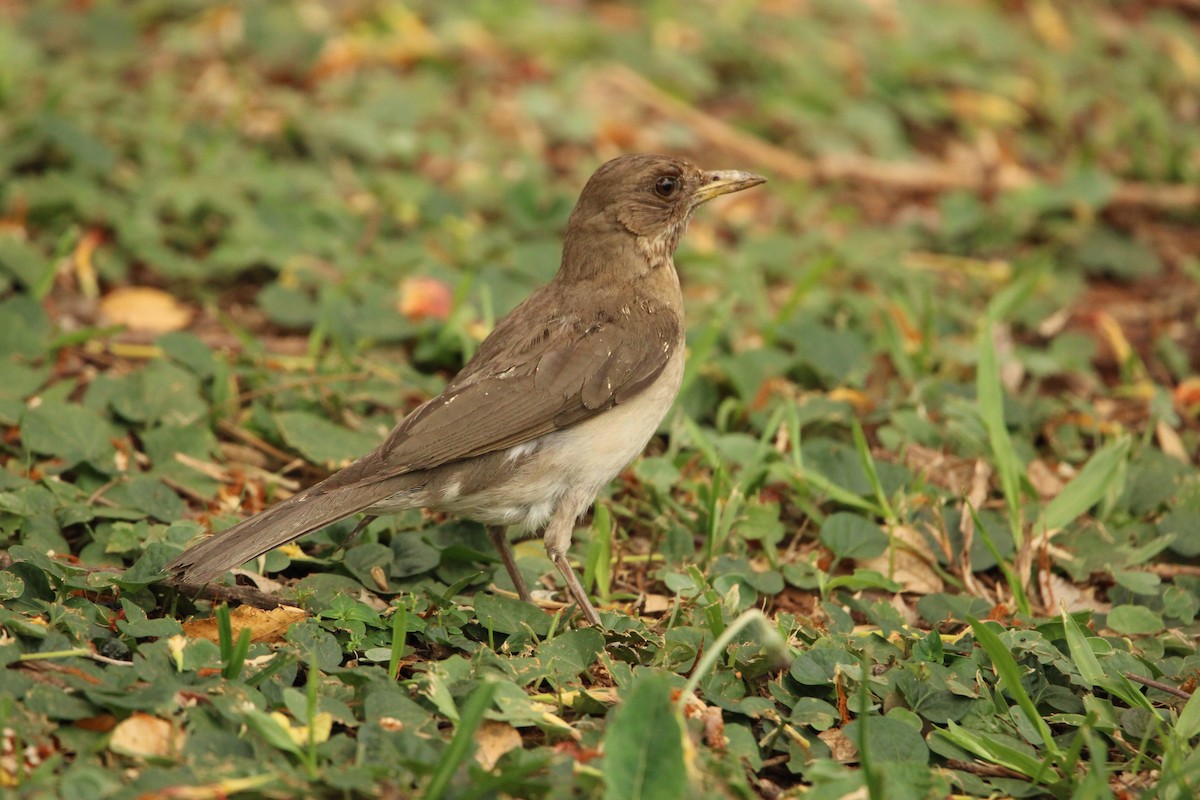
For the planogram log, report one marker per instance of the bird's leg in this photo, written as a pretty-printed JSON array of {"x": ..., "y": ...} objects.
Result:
[
  {"x": 499, "y": 537},
  {"x": 557, "y": 540}
]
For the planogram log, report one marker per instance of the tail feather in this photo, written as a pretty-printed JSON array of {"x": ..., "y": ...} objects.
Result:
[{"x": 283, "y": 522}]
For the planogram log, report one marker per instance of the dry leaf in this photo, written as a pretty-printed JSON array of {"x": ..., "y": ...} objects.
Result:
[
  {"x": 494, "y": 739},
  {"x": 1169, "y": 441},
  {"x": 941, "y": 469},
  {"x": 714, "y": 728},
  {"x": 840, "y": 746},
  {"x": 1050, "y": 25},
  {"x": 321, "y": 728},
  {"x": 656, "y": 604},
  {"x": 909, "y": 563},
  {"x": 85, "y": 269},
  {"x": 141, "y": 308},
  {"x": 1044, "y": 479},
  {"x": 1074, "y": 598},
  {"x": 144, "y": 736},
  {"x": 265, "y": 626},
  {"x": 861, "y": 402}
]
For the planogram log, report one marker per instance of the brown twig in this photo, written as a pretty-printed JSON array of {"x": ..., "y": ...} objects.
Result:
[
  {"x": 1174, "y": 570},
  {"x": 1153, "y": 684},
  {"x": 249, "y": 438}
]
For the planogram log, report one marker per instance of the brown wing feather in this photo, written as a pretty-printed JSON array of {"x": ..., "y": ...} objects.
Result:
[{"x": 558, "y": 385}]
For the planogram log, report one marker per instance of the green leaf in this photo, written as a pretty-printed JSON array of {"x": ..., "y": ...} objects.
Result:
[
  {"x": 991, "y": 410},
  {"x": 1134, "y": 620},
  {"x": 1188, "y": 724},
  {"x": 11, "y": 586},
  {"x": 889, "y": 739},
  {"x": 149, "y": 496},
  {"x": 1098, "y": 478},
  {"x": 472, "y": 716},
  {"x": 321, "y": 441},
  {"x": 70, "y": 432},
  {"x": 569, "y": 654},
  {"x": 1010, "y": 675},
  {"x": 643, "y": 746},
  {"x": 272, "y": 731},
  {"x": 992, "y": 749},
  {"x": 1081, "y": 652},
  {"x": 864, "y": 579},
  {"x": 506, "y": 615},
  {"x": 852, "y": 536}
]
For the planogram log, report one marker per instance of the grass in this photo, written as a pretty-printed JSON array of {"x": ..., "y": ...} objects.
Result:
[{"x": 922, "y": 523}]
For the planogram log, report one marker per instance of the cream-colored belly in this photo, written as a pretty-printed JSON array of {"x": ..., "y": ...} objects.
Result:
[{"x": 577, "y": 461}]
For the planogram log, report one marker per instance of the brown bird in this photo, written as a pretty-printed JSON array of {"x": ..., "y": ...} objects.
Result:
[{"x": 562, "y": 395}]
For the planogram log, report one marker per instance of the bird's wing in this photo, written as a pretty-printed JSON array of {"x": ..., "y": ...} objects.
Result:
[{"x": 561, "y": 382}]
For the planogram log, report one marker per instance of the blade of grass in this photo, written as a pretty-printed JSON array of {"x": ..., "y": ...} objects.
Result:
[
  {"x": 469, "y": 721},
  {"x": 772, "y": 641},
  {"x": 597, "y": 569},
  {"x": 233, "y": 654},
  {"x": 1098, "y": 477},
  {"x": 868, "y": 465},
  {"x": 310, "y": 714},
  {"x": 1014, "y": 582},
  {"x": 996, "y": 752},
  {"x": 1091, "y": 670},
  {"x": 1010, "y": 674},
  {"x": 399, "y": 634},
  {"x": 990, "y": 396}
]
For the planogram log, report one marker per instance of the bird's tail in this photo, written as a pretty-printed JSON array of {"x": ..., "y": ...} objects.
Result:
[{"x": 289, "y": 519}]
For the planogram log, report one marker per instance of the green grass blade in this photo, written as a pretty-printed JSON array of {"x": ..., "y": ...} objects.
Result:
[
  {"x": 469, "y": 721},
  {"x": 1099, "y": 476},
  {"x": 991, "y": 410},
  {"x": 1010, "y": 674},
  {"x": 868, "y": 465},
  {"x": 1081, "y": 652},
  {"x": 399, "y": 635},
  {"x": 993, "y": 751},
  {"x": 1010, "y": 577}
]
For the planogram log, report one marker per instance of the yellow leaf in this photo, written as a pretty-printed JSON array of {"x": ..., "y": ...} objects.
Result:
[{"x": 322, "y": 727}]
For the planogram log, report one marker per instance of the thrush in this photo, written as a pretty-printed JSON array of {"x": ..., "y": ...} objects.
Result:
[{"x": 562, "y": 395}]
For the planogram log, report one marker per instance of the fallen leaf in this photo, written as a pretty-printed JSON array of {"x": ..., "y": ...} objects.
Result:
[
  {"x": 493, "y": 740},
  {"x": 322, "y": 726},
  {"x": 142, "y": 308},
  {"x": 265, "y": 626},
  {"x": 714, "y": 728},
  {"x": 144, "y": 736},
  {"x": 840, "y": 746},
  {"x": 1050, "y": 26},
  {"x": 909, "y": 563},
  {"x": 1043, "y": 479},
  {"x": 656, "y": 604},
  {"x": 1170, "y": 442}
]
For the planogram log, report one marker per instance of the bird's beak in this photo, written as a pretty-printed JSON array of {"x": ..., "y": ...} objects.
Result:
[{"x": 723, "y": 182}]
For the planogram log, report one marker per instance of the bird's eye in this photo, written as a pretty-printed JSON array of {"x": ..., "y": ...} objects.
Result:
[{"x": 666, "y": 186}]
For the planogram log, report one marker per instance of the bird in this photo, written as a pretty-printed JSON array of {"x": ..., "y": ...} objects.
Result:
[{"x": 562, "y": 395}]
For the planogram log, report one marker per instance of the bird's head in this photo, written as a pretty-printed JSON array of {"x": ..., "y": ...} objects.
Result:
[{"x": 651, "y": 198}]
